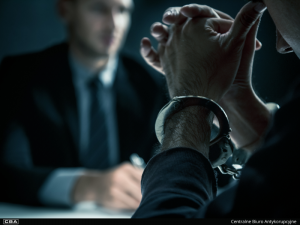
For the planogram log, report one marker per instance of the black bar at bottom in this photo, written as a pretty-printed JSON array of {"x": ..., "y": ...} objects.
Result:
[{"x": 287, "y": 221}]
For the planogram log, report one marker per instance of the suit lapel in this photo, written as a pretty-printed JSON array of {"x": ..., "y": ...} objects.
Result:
[
  {"x": 139, "y": 99},
  {"x": 129, "y": 113},
  {"x": 65, "y": 98}
]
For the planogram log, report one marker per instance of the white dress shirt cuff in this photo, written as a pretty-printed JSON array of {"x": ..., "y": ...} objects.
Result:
[{"x": 56, "y": 190}]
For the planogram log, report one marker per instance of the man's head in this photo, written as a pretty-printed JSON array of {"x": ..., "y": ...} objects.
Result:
[
  {"x": 286, "y": 16},
  {"x": 98, "y": 28}
]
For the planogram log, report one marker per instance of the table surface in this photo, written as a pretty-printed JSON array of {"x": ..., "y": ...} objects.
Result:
[{"x": 83, "y": 210}]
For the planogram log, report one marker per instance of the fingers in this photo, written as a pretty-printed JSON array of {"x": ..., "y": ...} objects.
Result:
[
  {"x": 125, "y": 188},
  {"x": 148, "y": 52},
  {"x": 250, "y": 46},
  {"x": 160, "y": 32},
  {"x": 245, "y": 20},
  {"x": 258, "y": 45},
  {"x": 223, "y": 15},
  {"x": 132, "y": 187},
  {"x": 132, "y": 172},
  {"x": 178, "y": 15},
  {"x": 251, "y": 38},
  {"x": 122, "y": 200},
  {"x": 227, "y": 17},
  {"x": 135, "y": 173},
  {"x": 221, "y": 26},
  {"x": 195, "y": 10},
  {"x": 130, "y": 182},
  {"x": 173, "y": 16},
  {"x": 150, "y": 55}
]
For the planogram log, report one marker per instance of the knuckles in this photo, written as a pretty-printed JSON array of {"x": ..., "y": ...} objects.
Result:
[
  {"x": 248, "y": 19},
  {"x": 116, "y": 177},
  {"x": 119, "y": 174},
  {"x": 126, "y": 166},
  {"x": 112, "y": 192}
]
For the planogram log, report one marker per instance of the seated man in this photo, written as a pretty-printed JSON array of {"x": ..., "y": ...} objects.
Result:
[
  {"x": 73, "y": 114},
  {"x": 204, "y": 53}
]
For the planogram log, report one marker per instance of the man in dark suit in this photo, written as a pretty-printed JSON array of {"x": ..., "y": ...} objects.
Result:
[{"x": 74, "y": 112}]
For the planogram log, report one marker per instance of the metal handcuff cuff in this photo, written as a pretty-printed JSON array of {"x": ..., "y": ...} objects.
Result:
[{"x": 221, "y": 146}]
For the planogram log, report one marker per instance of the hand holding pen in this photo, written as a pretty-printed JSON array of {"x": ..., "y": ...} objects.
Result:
[
  {"x": 116, "y": 188},
  {"x": 137, "y": 161}
]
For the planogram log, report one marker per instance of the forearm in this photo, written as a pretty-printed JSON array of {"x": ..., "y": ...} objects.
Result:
[
  {"x": 191, "y": 182},
  {"x": 248, "y": 117},
  {"x": 190, "y": 128},
  {"x": 176, "y": 183}
]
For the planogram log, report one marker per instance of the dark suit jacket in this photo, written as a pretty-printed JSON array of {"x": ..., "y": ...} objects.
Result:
[
  {"x": 37, "y": 93},
  {"x": 180, "y": 183}
]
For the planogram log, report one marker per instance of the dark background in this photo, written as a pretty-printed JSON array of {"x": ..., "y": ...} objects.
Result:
[{"x": 32, "y": 25}]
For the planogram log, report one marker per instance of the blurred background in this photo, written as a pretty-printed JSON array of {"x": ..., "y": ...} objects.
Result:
[{"x": 33, "y": 25}]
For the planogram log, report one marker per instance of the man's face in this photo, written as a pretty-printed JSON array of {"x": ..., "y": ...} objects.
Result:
[
  {"x": 98, "y": 27},
  {"x": 286, "y": 16}
]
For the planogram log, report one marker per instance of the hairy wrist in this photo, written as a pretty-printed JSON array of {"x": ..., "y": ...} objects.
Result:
[
  {"x": 190, "y": 128},
  {"x": 188, "y": 82}
]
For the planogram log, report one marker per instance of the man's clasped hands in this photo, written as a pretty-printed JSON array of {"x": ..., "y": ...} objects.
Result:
[{"x": 205, "y": 52}]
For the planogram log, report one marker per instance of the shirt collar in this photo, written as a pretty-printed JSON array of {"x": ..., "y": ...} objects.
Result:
[
  {"x": 84, "y": 75},
  {"x": 108, "y": 75}
]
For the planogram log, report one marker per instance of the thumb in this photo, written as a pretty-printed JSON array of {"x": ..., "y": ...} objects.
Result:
[{"x": 245, "y": 20}]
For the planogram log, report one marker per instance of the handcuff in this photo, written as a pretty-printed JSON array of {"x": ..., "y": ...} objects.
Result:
[{"x": 221, "y": 148}]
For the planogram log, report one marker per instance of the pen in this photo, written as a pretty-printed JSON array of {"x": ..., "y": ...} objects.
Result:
[{"x": 137, "y": 161}]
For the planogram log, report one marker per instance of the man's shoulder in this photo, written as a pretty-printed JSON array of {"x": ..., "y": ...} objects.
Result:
[
  {"x": 21, "y": 72},
  {"x": 27, "y": 59}
]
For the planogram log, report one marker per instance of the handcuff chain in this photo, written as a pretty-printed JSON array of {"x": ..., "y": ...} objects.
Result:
[{"x": 230, "y": 171}]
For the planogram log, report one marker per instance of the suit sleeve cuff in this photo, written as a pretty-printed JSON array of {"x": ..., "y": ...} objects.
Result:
[
  {"x": 57, "y": 189},
  {"x": 176, "y": 183},
  {"x": 184, "y": 163}
]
